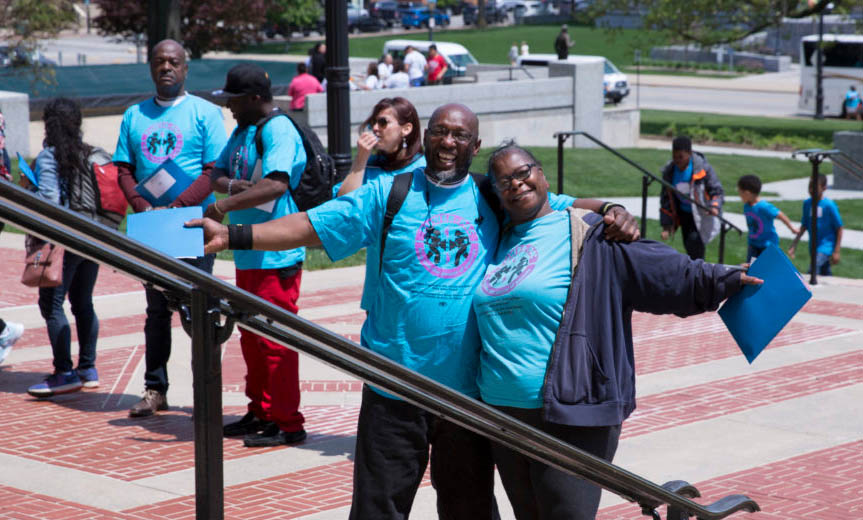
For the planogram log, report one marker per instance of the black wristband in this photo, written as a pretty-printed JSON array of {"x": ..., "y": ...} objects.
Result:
[
  {"x": 606, "y": 206},
  {"x": 239, "y": 236}
]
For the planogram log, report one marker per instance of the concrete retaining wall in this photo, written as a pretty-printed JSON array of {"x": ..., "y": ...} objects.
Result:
[
  {"x": 852, "y": 144},
  {"x": 16, "y": 110}
]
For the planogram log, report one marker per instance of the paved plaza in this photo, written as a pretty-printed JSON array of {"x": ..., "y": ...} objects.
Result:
[{"x": 787, "y": 430}]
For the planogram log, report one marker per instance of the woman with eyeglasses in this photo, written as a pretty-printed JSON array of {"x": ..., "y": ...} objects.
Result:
[
  {"x": 554, "y": 313},
  {"x": 390, "y": 143}
]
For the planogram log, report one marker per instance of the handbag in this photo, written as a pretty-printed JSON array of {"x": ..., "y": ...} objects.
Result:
[{"x": 43, "y": 264}]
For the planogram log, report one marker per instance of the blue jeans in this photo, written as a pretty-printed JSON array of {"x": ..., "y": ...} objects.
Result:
[
  {"x": 822, "y": 265},
  {"x": 79, "y": 277},
  {"x": 418, "y": 82},
  {"x": 157, "y": 330}
]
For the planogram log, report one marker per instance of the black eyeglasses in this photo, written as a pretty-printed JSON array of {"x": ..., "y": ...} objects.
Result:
[
  {"x": 382, "y": 123},
  {"x": 440, "y": 132},
  {"x": 505, "y": 182}
]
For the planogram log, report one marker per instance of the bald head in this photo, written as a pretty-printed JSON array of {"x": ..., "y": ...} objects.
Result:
[
  {"x": 168, "y": 68},
  {"x": 451, "y": 142}
]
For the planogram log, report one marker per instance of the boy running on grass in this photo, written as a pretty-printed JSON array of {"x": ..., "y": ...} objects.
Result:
[{"x": 759, "y": 216}]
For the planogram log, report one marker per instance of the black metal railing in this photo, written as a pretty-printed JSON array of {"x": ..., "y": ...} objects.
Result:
[
  {"x": 647, "y": 178},
  {"x": 203, "y": 298}
]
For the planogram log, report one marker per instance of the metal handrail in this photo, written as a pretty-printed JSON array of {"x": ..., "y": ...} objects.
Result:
[
  {"x": 646, "y": 179},
  {"x": 211, "y": 295}
]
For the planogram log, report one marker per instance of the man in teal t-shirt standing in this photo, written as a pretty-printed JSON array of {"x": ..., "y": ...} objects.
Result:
[
  {"x": 181, "y": 135},
  {"x": 259, "y": 190}
]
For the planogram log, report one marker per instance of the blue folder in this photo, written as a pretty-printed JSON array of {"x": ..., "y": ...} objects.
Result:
[
  {"x": 163, "y": 230},
  {"x": 755, "y": 315},
  {"x": 25, "y": 169},
  {"x": 165, "y": 184}
]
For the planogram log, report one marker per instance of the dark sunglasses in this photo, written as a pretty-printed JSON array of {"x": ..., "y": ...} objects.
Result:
[
  {"x": 504, "y": 183},
  {"x": 382, "y": 122}
]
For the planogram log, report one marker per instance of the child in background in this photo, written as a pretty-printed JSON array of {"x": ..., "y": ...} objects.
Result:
[
  {"x": 759, "y": 216},
  {"x": 829, "y": 230}
]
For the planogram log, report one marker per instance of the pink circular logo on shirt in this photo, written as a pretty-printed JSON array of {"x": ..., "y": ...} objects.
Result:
[
  {"x": 517, "y": 264},
  {"x": 756, "y": 226},
  {"x": 161, "y": 142},
  {"x": 446, "y": 245}
]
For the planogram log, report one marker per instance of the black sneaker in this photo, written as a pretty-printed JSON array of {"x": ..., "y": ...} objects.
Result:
[
  {"x": 273, "y": 436},
  {"x": 248, "y": 424}
]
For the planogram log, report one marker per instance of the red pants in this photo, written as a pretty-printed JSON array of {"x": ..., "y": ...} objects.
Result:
[{"x": 272, "y": 379}]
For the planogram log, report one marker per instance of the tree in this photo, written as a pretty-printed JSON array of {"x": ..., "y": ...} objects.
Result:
[
  {"x": 294, "y": 13},
  {"x": 226, "y": 25},
  {"x": 711, "y": 22},
  {"x": 26, "y": 22}
]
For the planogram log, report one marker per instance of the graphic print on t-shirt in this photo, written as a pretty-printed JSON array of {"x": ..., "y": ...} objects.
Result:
[
  {"x": 756, "y": 225},
  {"x": 446, "y": 245},
  {"x": 161, "y": 141},
  {"x": 517, "y": 264}
]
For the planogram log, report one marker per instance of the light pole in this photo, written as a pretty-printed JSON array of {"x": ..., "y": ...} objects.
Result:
[
  {"x": 338, "y": 76},
  {"x": 819, "y": 73}
]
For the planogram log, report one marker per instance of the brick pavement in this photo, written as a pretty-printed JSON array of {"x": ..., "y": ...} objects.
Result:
[{"x": 87, "y": 441}]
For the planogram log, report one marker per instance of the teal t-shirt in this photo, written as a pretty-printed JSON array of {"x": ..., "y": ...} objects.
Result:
[
  {"x": 759, "y": 218},
  {"x": 519, "y": 306},
  {"x": 190, "y": 133},
  {"x": 828, "y": 221},
  {"x": 681, "y": 180},
  {"x": 373, "y": 261},
  {"x": 283, "y": 152}
]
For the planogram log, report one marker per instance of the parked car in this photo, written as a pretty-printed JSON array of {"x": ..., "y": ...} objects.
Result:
[
  {"x": 614, "y": 83},
  {"x": 365, "y": 24},
  {"x": 493, "y": 14},
  {"x": 457, "y": 57},
  {"x": 416, "y": 17},
  {"x": 386, "y": 10}
]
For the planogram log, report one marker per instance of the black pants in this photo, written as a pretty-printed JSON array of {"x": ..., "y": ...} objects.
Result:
[
  {"x": 393, "y": 439},
  {"x": 157, "y": 331},
  {"x": 540, "y": 492},
  {"x": 691, "y": 238}
]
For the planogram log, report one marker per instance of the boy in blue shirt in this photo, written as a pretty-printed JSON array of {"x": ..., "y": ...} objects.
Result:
[
  {"x": 759, "y": 216},
  {"x": 828, "y": 232},
  {"x": 259, "y": 190}
]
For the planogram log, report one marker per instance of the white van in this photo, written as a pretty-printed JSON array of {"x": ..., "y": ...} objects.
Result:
[
  {"x": 614, "y": 83},
  {"x": 456, "y": 56}
]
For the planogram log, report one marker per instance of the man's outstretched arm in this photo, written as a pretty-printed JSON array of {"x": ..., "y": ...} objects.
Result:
[{"x": 289, "y": 232}]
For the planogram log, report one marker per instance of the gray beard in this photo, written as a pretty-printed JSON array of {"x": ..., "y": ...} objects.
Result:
[{"x": 445, "y": 178}]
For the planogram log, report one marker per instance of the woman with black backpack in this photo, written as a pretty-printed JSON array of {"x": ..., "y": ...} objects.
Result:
[{"x": 64, "y": 178}]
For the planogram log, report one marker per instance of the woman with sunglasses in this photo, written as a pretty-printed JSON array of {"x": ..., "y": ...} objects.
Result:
[
  {"x": 389, "y": 144},
  {"x": 554, "y": 314}
]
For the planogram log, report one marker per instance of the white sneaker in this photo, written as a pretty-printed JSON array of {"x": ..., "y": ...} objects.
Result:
[{"x": 8, "y": 337}]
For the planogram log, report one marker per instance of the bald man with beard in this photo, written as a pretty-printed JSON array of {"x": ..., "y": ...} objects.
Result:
[
  {"x": 178, "y": 134},
  {"x": 436, "y": 252}
]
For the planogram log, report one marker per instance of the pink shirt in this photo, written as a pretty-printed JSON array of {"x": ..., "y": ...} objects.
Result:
[{"x": 301, "y": 86}]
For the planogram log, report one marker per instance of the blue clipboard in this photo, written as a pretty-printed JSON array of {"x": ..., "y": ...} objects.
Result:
[
  {"x": 29, "y": 173},
  {"x": 756, "y": 314},
  {"x": 163, "y": 230},
  {"x": 165, "y": 184}
]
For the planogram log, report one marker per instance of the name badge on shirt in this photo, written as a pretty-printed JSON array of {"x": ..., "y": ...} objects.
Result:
[{"x": 257, "y": 175}]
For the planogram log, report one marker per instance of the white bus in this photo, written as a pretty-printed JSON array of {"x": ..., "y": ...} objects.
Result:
[{"x": 842, "y": 67}]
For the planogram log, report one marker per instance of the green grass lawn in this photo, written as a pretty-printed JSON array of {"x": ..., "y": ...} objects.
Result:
[
  {"x": 849, "y": 266},
  {"x": 597, "y": 173},
  {"x": 492, "y": 45},
  {"x": 818, "y": 133},
  {"x": 851, "y": 211}
]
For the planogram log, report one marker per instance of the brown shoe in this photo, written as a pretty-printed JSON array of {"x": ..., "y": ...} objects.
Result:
[{"x": 152, "y": 402}]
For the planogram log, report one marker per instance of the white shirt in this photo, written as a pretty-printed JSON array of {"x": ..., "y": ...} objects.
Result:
[
  {"x": 416, "y": 64},
  {"x": 525, "y": 50},
  {"x": 384, "y": 71},
  {"x": 372, "y": 83},
  {"x": 398, "y": 80}
]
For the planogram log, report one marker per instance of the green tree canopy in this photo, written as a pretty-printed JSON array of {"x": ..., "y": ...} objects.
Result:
[{"x": 711, "y": 22}]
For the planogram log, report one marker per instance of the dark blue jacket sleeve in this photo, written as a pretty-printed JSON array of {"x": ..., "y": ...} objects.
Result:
[{"x": 659, "y": 280}]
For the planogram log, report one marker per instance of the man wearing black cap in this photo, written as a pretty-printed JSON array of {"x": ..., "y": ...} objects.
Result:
[
  {"x": 173, "y": 135},
  {"x": 258, "y": 181}
]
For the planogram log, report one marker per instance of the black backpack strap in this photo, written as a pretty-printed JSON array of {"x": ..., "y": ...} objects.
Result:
[
  {"x": 259, "y": 138},
  {"x": 398, "y": 193},
  {"x": 486, "y": 189}
]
